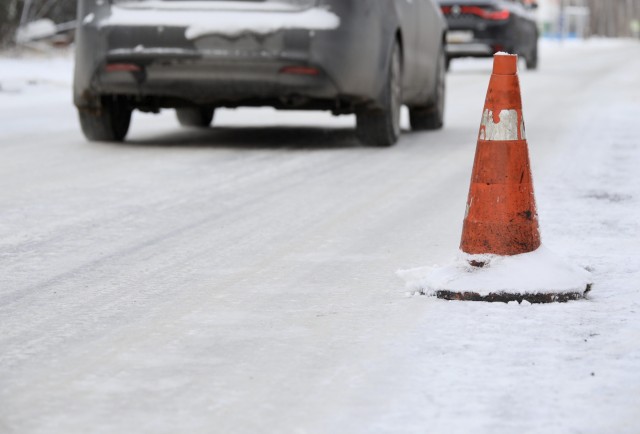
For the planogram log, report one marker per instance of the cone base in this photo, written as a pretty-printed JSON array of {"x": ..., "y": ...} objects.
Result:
[
  {"x": 537, "y": 277},
  {"x": 506, "y": 297}
]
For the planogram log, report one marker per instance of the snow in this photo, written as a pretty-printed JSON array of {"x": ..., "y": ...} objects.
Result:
[
  {"x": 55, "y": 70},
  {"x": 89, "y": 18},
  {"x": 241, "y": 279},
  {"x": 39, "y": 84},
  {"x": 223, "y": 22},
  {"x": 537, "y": 272},
  {"x": 38, "y": 29}
]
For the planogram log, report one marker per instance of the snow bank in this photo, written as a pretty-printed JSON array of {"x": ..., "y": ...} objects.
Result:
[
  {"x": 538, "y": 272},
  {"x": 224, "y": 22},
  {"x": 34, "y": 30}
]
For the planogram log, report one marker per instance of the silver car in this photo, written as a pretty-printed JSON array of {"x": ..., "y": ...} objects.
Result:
[{"x": 367, "y": 57}]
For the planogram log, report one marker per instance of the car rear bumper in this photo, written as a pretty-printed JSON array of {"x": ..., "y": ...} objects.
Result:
[
  {"x": 485, "y": 38},
  {"x": 211, "y": 80},
  {"x": 478, "y": 49}
]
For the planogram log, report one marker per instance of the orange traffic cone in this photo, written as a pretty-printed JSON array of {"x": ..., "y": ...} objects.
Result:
[
  {"x": 501, "y": 216},
  {"x": 502, "y": 258}
]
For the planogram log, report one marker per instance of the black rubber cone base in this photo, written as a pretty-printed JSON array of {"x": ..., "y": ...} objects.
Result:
[{"x": 505, "y": 297}]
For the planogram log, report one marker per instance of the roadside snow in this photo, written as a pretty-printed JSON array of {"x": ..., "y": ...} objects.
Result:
[
  {"x": 20, "y": 74},
  {"x": 43, "y": 28},
  {"x": 35, "y": 93}
]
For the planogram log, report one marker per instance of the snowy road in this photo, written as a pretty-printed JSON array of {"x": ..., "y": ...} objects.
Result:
[{"x": 242, "y": 279}]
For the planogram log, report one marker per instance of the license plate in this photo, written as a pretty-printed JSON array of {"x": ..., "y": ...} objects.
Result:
[{"x": 459, "y": 37}]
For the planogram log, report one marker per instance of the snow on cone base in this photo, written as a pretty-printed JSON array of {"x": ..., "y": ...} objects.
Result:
[{"x": 537, "y": 277}]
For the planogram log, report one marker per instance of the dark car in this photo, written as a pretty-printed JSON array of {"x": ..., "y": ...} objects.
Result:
[
  {"x": 367, "y": 57},
  {"x": 481, "y": 28}
]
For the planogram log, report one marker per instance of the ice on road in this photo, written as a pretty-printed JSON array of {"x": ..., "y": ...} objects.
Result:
[{"x": 241, "y": 279}]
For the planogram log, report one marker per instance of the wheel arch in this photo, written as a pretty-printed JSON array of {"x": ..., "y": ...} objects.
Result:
[{"x": 384, "y": 59}]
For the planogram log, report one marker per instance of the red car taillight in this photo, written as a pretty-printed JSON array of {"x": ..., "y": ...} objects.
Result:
[
  {"x": 122, "y": 67},
  {"x": 487, "y": 14},
  {"x": 497, "y": 15},
  {"x": 299, "y": 70}
]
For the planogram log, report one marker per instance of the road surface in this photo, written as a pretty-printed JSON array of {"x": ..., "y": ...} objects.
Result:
[{"x": 241, "y": 279}]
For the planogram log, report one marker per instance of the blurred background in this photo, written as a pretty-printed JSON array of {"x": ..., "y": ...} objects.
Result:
[{"x": 25, "y": 22}]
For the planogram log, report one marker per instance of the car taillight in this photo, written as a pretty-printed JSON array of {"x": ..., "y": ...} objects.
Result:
[
  {"x": 122, "y": 67},
  {"x": 478, "y": 11},
  {"x": 299, "y": 70},
  {"x": 497, "y": 15}
]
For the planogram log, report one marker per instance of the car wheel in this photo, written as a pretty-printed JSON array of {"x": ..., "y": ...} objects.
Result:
[
  {"x": 200, "y": 117},
  {"x": 109, "y": 123},
  {"x": 381, "y": 126},
  {"x": 532, "y": 60},
  {"x": 431, "y": 117}
]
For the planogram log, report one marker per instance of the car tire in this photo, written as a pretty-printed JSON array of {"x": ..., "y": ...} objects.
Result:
[
  {"x": 109, "y": 123},
  {"x": 431, "y": 116},
  {"x": 381, "y": 126},
  {"x": 532, "y": 60},
  {"x": 199, "y": 117}
]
